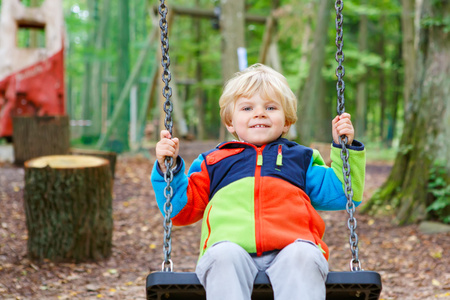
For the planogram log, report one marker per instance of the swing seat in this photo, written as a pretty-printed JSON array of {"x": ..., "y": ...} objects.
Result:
[{"x": 360, "y": 285}]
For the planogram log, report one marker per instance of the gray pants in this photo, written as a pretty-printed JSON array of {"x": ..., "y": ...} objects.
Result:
[{"x": 228, "y": 272}]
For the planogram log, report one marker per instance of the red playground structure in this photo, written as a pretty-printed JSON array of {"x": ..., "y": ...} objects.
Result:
[{"x": 31, "y": 79}]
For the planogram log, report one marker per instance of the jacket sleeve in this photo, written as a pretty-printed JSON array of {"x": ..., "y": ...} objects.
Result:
[
  {"x": 325, "y": 186},
  {"x": 190, "y": 193}
]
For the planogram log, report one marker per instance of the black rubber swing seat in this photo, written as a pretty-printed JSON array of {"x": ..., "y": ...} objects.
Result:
[{"x": 361, "y": 285}]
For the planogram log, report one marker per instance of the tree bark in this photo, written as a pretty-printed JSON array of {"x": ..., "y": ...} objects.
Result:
[
  {"x": 123, "y": 46},
  {"x": 36, "y": 136},
  {"x": 382, "y": 81},
  {"x": 305, "y": 48},
  {"x": 427, "y": 128},
  {"x": 102, "y": 26},
  {"x": 361, "y": 86},
  {"x": 393, "y": 105},
  {"x": 313, "y": 125},
  {"x": 409, "y": 47},
  {"x": 68, "y": 206},
  {"x": 232, "y": 24},
  {"x": 87, "y": 105},
  {"x": 199, "y": 103}
]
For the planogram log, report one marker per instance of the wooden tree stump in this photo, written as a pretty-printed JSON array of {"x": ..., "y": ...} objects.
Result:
[
  {"x": 35, "y": 136},
  {"x": 68, "y": 206},
  {"x": 110, "y": 156}
]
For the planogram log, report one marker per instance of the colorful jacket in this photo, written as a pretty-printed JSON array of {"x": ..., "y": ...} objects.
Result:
[{"x": 262, "y": 198}]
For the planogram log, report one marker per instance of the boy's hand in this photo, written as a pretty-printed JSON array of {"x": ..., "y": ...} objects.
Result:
[
  {"x": 166, "y": 147},
  {"x": 342, "y": 125}
]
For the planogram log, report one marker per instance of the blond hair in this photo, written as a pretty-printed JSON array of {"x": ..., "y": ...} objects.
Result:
[{"x": 261, "y": 79}]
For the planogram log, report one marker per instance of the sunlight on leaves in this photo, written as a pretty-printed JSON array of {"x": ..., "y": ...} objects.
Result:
[
  {"x": 435, "y": 282},
  {"x": 444, "y": 295},
  {"x": 436, "y": 254}
]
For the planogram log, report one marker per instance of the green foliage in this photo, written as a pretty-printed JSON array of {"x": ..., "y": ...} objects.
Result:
[
  {"x": 186, "y": 52},
  {"x": 440, "y": 189},
  {"x": 376, "y": 151},
  {"x": 443, "y": 21},
  {"x": 405, "y": 149}
]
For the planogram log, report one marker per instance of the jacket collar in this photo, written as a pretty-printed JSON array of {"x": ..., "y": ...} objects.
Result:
[{"x": 239, "y": 144}]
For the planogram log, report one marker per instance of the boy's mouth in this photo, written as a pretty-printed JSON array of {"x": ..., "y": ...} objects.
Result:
[{"x": 259, "y": 126}]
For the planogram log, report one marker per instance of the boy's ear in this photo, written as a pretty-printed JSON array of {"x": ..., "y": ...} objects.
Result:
[
  {"x": 286, "y": 128},
  {"x": 230, "y": 128}
]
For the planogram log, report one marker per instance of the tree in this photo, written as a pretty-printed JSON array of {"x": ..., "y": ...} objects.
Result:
[
  {"x": 361, "y": 86},
  {"x": 232, "y": 25},
  {"x": 408, "y": 46},
  {"x": 314, "y": 117},
  {"x": 123, "y": 73},
  {"x": 425, "y": 142}
]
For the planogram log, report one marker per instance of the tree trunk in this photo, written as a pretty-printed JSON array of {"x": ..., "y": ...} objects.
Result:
[
  {"x": 232, "y": 24},
  {"x": 36, "y": 136},
  {"x": 102, "y": 26},
  {"x": 409, "y": 48},
  {"x": 393, "y": 110},
  {"x": 87, "y": 107},
  {"x": 312, "y": 125},
  {"x": 68, "y": 206},
  {"x": 382, "y": 81},
  {"x": 108, "y": 155},
  {"x": 425, "y": 139},
  {"x": 361, "y": 86},
  {"x": 199, "y": 103},
  {"x": 305, "y": 48},
  {"x": 122, "y": 130}
]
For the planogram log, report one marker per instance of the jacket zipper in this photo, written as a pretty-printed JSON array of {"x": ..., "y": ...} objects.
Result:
[
  {"x": 205, "y": 245},
  {"x": 280, "y": 155},
  {"x": 259, "y": 162}
]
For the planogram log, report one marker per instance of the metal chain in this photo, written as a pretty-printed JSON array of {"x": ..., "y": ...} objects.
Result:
[
  {"x": 355, "y": 264},
  {"x": 167, "y": 264}
]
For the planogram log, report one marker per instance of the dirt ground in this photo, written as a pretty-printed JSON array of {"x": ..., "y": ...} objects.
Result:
[{"x": 413, "y": 265}]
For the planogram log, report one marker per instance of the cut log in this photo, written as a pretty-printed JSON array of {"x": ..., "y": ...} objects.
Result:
[
  {"x": 110, "y": 156},
  {"x": 68, "y": 206},
  {"x": 35, "y": 136}
]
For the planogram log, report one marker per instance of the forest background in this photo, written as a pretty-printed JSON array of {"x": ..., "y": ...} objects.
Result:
[
  {"x": 397, "y": 79},
  {"x": 104, "y": 40},
  {"x": 113, "y": 86}
]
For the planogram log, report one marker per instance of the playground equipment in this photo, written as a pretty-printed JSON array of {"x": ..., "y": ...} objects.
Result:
[
  {"x": 356, "y": 284},
  {"x": 31, "y": 78}
]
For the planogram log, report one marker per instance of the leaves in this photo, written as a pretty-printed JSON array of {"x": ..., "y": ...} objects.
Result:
[{"x": 412, "y": 265}]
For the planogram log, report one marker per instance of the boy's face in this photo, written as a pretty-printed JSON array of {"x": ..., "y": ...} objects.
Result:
[{"x": 258, "y": 121}]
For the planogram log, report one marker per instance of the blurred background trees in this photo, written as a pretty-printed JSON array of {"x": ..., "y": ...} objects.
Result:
[{"x": 396, "y": 76}]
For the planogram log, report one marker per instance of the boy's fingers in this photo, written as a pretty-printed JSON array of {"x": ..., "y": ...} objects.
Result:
[{"x": 165, "y": 134}]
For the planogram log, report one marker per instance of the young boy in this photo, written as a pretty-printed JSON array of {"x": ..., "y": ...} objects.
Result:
[{"x": 258, "y": 195}]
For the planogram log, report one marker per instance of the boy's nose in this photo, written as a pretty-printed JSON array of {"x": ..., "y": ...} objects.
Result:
[{"x": 259, "y": 112}]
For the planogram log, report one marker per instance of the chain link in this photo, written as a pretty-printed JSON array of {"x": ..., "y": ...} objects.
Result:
[
  {"x": 167, "y": 264},
  {"x": 355, "y": 264}
]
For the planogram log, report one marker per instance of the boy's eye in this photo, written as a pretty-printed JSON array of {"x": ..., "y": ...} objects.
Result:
[
  {"x": 247, "y": 108},
  {"x": 271, "y": 108}
]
